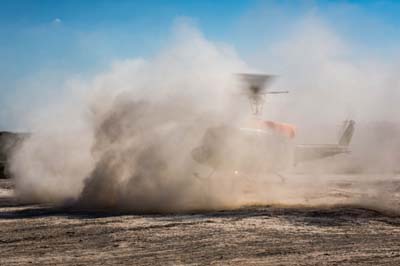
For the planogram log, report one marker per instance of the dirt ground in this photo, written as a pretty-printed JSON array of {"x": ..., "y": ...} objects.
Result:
[{"x": 257, "y": 235}]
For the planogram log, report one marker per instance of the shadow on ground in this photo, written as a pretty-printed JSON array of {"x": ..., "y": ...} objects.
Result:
[{"x": 311, "y": 216}]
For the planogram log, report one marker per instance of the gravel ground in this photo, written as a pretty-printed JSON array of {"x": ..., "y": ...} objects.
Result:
[{"x": 256, "y": 235}]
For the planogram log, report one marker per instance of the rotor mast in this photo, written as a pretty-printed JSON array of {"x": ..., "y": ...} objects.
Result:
[{"x": 255, "y": 87}]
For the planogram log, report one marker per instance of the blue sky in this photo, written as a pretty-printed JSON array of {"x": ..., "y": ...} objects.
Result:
[{"x": 74, "y": 37}]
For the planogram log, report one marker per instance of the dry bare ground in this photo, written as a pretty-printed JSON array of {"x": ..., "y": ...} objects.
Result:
[{"x": 258, "y": 235}]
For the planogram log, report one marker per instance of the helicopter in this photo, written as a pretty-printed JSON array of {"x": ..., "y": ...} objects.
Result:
[{"x": 260, "y": 146}]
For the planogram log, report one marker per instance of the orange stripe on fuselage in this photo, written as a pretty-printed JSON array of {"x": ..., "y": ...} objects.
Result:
[{"x": 281, "y": 128}]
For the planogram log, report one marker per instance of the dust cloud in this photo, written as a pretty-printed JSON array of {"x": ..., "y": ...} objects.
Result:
[{"x": 125, "y": 141}]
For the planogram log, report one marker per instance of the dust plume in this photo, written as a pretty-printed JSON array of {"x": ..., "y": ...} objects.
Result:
[{"x": 125, "y": 140}]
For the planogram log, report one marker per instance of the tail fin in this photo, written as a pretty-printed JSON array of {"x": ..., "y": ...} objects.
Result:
[{"x": 347, "y": 133}]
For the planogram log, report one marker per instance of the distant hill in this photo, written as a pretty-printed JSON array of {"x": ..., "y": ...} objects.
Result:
[{"x": 8, "y": 142}]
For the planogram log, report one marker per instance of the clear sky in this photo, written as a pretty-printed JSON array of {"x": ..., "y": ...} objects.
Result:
[{"x": 81, "y": 37}]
